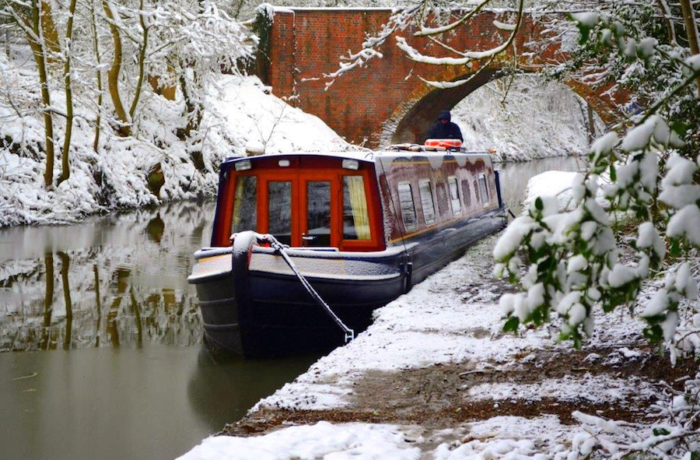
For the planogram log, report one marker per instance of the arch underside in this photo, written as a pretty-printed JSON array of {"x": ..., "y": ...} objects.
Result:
[
  {"x": 412, "y": 120},
  {"x": 416, "y": 122}
]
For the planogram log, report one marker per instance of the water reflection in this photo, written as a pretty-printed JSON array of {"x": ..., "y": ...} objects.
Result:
[
  {"x": 121, "y": 281},
  {"x": 225, "y": 387}
]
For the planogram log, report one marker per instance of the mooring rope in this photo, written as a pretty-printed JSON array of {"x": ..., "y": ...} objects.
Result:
[{"x": 282, "y": 250}]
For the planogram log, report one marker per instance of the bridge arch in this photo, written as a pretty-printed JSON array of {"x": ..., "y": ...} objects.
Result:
[
  {"x": 412, "y": 119},
  {"x": 368, "y": 104}
]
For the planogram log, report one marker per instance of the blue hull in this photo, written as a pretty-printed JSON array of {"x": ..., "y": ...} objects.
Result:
[{"x": 257, "y": 310}]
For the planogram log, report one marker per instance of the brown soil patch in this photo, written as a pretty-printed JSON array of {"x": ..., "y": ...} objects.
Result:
[{"x": 436, "y": 396}]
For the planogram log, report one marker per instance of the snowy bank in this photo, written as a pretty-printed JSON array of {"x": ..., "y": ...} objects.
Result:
[
  {"x": 239, "y": 114},
  {"x": 557, "y": 184},
  {"x": 550, "y": 183},
  {"x": 436, "y": 368}
]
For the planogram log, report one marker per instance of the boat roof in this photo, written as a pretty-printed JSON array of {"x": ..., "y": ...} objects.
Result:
[{"x": 368, "y": 156}]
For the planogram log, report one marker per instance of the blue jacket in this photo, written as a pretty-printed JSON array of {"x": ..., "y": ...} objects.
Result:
[{"x": 446, "y": 131}]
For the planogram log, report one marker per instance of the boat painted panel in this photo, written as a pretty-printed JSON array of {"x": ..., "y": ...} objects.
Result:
[{"x": 300, "y": 169}]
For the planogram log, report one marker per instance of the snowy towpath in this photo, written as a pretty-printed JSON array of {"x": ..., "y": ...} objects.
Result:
[{"x": 435, "y": 377}]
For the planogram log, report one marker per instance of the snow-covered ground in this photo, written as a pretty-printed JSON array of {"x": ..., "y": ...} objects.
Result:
[
  {"x": 240, "y": 114},
  {"x": 550, "y": 183},
  {"x": 537, "y": 119},
  {"x": 448, "y": 326}
]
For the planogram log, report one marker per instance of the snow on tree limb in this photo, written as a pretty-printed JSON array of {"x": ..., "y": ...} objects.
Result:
[{"x": 416, "y": 15}]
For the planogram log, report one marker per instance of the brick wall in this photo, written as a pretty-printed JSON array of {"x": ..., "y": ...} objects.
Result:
[{"x": 308, "y": 43}]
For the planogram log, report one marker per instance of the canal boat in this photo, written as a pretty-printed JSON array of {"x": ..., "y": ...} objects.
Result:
[{"x": 306, "y": 246}]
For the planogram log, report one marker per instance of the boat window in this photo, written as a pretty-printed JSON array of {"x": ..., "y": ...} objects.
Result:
[
  {"x": 408, "y": 208},
  {"x": 466, "y": 194},
  {"x": 454, "y": 195},
  {"x": 426, "y": 200},
  {"x": 355, "y": 215},
  {"x": 245, "y": 205},
  {"x": 484, "y": 188},
  {"x": 279, "y": 205},
  {"x": 476, "y": 192},
  {"x": 442, "y": 201},
  {"x": 318, "y": 215}
]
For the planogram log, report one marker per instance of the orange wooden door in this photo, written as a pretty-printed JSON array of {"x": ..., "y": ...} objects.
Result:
[
  {"x": 319, "y": 212},
  {"x": 300, "y": 209}
]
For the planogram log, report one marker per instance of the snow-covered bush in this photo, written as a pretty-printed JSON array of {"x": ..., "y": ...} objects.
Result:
[
  {"x": 573, "y": 259},
  {"x": 572, "y": 262}
]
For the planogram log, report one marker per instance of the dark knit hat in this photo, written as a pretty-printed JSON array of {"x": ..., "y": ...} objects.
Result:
[{"x": 445, "y": 115}]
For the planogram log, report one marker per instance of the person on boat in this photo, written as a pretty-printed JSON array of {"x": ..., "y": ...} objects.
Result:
[{"x": 445, "y": 129}]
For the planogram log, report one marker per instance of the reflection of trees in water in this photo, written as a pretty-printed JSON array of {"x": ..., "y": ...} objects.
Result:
[{"x": 127, "y": 291}]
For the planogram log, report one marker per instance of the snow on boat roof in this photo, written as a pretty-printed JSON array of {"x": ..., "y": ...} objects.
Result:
[
  {"x": 351, "y": 155},
  {"x": 368, "y": 156}
]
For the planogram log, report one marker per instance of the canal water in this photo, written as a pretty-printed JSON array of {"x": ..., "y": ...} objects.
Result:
[{"x": 101, "y": 352}]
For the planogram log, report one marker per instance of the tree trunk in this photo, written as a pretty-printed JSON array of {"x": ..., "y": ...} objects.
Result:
[
  {"x": 48, "y": 301},
  {"x": 114, "y": 71},
  {"x": 142, "y": 63},
  {"x": 50, "y": 32},
  {"x": 691, "y": 31},
  {"x": 33, "y": 30},
  {"x": 48, "y": 297},
  {"x": 65, "y": 266},
  {"x": 65, "y": 154},
  {"x": 137, "y": 318},
  {"x": 96, "y": 47},
  {"x": 98, "y": 305},
  {"x": 193, "y": 112}
]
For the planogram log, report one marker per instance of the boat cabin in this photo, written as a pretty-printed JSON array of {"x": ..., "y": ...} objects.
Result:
[{"x": 347, "y": 203}]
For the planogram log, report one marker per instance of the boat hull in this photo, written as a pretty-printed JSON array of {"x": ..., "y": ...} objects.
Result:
[{"x": 253, "y": 305}]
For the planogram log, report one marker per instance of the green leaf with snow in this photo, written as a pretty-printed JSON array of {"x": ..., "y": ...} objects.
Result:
[
  {"x": 539, "y": 205},
  {"x": 679, "y": 128},
  {"x": 512, "y": 324},
  {"x": 654, "y": 333}
]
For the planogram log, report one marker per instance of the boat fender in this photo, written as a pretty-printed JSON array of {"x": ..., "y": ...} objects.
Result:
[{"x": 243, "y": 245}]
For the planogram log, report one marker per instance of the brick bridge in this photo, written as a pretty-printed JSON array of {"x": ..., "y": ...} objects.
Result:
[{"x": 385, "y": 102}]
